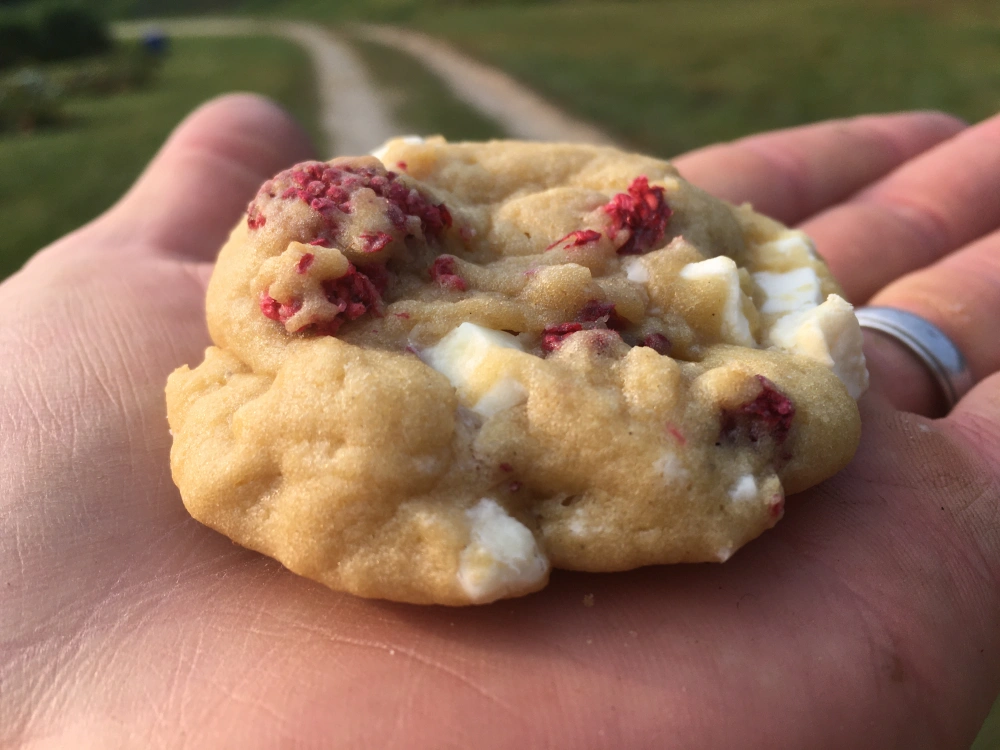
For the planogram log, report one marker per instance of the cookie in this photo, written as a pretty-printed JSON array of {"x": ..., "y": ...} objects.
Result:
[{"x": 440, "y": 373}]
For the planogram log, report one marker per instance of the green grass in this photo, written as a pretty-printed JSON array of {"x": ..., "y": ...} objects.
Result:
[
  {"x": 669, "y": 76},
  {"x": 55, "y": 180},
  {"x": 421, "y": 103},
  {"x": 989, "y": 737}
]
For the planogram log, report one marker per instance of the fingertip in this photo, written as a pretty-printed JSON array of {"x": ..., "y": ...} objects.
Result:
[
  {"x": 978, "y": 415},
  {"x": 933, "y": 121},
  {"x": 199, "y": 183},
  {"x": 247, "y": 128}
]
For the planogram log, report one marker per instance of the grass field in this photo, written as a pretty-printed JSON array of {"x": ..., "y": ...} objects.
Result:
[
  {"x": 53, "y": 181},
  {"x": 668, "y": 76},
  {"x": 989, "y": 737},
  {"x": 420, "y": 102}
]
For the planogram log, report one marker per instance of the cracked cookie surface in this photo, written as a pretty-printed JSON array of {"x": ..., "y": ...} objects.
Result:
[{"x": 441, "y": 372}]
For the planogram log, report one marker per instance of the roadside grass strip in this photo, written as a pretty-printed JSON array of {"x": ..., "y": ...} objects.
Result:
[
  {"x": 421, "y": 103},
  {"x": 54, "y": 180},
  {"x": 670, "y": 76}
]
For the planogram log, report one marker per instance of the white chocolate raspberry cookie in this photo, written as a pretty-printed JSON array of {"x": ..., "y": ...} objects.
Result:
[{"x": 440, "y": 374}]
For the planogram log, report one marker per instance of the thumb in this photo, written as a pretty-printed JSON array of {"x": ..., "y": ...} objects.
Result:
[{"x": 194, "y": 190}]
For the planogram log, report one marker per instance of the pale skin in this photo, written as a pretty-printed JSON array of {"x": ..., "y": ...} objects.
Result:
[{"x": 868, "y": 618}]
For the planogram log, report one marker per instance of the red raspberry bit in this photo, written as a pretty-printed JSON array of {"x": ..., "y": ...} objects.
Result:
[
  {"x": 642, "y": 212},
  {"x": 278, "y": 310},
  {"x": 304, "y": 262},
  {"x": 255, "y": 219},
  {"x": 770, "y": 413},
  {"x": 677, "y": 434},
  {"x": 401, "y": 165},
  {"x": 594, "y": 310},
  {"x": 374, "y": 241},
  {"x": 325, "y": 188},
  {"x": 402, "y": 315},
  {"x": 353, "y": 294},
  {"x": 603, "y": 313},
  {"x": 321, "y": 242},
  {"x": 553, "y": 336},
  {"x": 601, "y": 340},
  {"x": 377, "y": 274},
  {"x": 657, "y": 342},
  {"x": 443, "y": 272},
  {"x": 777, "y": 507},
  {"x": 577, "y": 238},
  {"x": 506, "y": 467}
]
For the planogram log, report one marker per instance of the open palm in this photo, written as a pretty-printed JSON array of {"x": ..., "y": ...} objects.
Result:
[{"x": 868, "y": 618}]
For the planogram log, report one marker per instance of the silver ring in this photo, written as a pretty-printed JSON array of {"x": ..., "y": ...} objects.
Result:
[{"x": 928, "y": 342}]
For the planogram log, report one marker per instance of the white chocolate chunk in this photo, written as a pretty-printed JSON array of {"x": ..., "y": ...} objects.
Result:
[
  {"x": 637, "y": 271},
  {"x": 502, "y": 557},
  {"x": 382, "y": 150},
  {"x": 791, "y": 243},
  {"x": 505, "y": 393},
  {"x": 829, "y": 334},
  {"x": 582, "y": 523},
  {"x": 744, "y": 490},
  {"x": 788, "y": 292},
  {"x": 735, "y": 326},
  {"x": 462, "y": 355},
  {"x": 671, "y": 468}
]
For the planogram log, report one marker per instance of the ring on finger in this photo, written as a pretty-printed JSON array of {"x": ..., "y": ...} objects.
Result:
[{"x": 928, "y": 343}]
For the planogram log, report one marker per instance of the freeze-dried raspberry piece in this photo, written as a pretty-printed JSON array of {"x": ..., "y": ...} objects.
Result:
[
  {"x": 577, "y": 238},
  {"x": 255, "y": 219},
  {"x": 304, "y": 263},
  {"x": 553, "y": 336},
  {"x": 776, "y": 508},
  {"x": 603, "y": 313},
  {"x": 278, "y": 311},
  {"x": 657, "y": 342},
  {"x": 353, "y": 294},
  {"x": 328, "y": 188},
  {"x": 642, "y": 212},
  {"x": 770, "y": 413},
  {"x": 377, "y": 274},
  {"x": 374, "y": 241},
  {"x": 444, "y": 273},
  {"x": 357, "y": 292}
]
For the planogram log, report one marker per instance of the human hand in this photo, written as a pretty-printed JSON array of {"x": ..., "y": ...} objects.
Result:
[{"x": 866, "y": 619}]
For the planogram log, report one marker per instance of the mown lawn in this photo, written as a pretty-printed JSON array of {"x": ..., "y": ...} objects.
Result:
[
  {"x": 669, "y": 76},
  {"x": 53, "y": 181},
  {"x": 989, "y": 737}
]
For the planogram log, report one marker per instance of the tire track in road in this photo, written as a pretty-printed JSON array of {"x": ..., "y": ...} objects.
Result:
[
  {"x": 353, "y": 117},
  {"x": 522, "y": 112}
]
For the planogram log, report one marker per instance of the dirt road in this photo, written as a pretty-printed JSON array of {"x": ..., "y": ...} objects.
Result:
[
  {"x": 521, "y": 112},
  {"x": 355, "y": 117}
]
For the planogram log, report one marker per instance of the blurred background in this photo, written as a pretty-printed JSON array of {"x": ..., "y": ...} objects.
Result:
[{"x": 90, "y": 89}]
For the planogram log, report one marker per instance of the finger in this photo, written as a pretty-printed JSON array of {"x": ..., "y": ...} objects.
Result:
[
  {"x": 792, "y": 174},
  {"x": 979, "y": 415},
  {"x": 961, "y": 295},
  {"x": 194, "y": 191},
  {"x": 927, "y": 208}
]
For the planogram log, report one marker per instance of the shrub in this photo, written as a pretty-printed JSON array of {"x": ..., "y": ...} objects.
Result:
[
  {"x": 28, "y": 100},
  {"x": 19, "y": 43},
  {"x": 73, "y": 32},
  {"x": 129, "y": 67}
]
